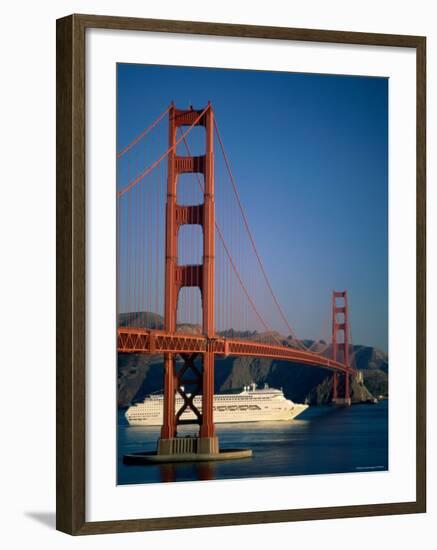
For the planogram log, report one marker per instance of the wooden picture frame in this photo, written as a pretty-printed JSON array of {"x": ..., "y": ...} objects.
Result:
[{"x": 71, "y": 248}]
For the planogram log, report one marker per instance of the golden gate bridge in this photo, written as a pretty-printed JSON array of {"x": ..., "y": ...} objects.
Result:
[{"x": 191, "y": 283}]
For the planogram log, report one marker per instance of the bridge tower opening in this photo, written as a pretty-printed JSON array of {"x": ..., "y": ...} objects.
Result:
[
  {"x": 200, "y": 378},
  {"x": 340, "y": 345}
]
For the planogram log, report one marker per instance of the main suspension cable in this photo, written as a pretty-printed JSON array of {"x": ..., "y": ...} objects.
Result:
[
  {"x": 143, "y": 134},
  {"x": 161, "y": 158}
]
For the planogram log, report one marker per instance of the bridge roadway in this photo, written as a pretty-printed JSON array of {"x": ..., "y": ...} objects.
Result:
[{"x": 151, "y": 342}]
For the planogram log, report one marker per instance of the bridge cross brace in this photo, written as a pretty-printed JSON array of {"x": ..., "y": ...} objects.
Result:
[{"x": 189, "y": 368}]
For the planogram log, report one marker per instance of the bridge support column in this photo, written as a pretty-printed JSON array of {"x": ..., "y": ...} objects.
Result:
[
  {"x": 334, "y": 386},
  {"x": 208, "y": 441},
  {"x": 347, "y": 396},
  {"x": 168, "y": 427}
]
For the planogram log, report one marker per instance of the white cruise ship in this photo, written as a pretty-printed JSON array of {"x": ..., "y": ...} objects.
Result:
[{"x": 250, "y": 405}]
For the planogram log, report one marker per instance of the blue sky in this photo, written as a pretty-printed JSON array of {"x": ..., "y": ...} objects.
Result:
[{"x": 310, "y": 157}]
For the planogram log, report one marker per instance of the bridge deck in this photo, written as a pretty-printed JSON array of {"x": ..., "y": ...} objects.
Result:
[{"x": 148, "y": 341}]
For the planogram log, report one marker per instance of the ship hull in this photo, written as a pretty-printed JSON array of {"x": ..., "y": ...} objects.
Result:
[{"x": 223, "y": 418}]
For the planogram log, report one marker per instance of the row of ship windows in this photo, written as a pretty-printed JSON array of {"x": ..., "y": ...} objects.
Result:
[
  {"x": 239, "y": 408},
  {"x": 219, "y": 408},
  {"x": 159, "y": 404},
  {"x": 234, "y": 397}
]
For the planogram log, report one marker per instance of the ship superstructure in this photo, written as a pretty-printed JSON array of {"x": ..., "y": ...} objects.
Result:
[{"x": 250, "y": 405}]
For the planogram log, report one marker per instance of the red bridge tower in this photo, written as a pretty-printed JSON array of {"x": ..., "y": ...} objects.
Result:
[
  {"x": 340, "y": 344},
  {"x": 200, "y": 379}
]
